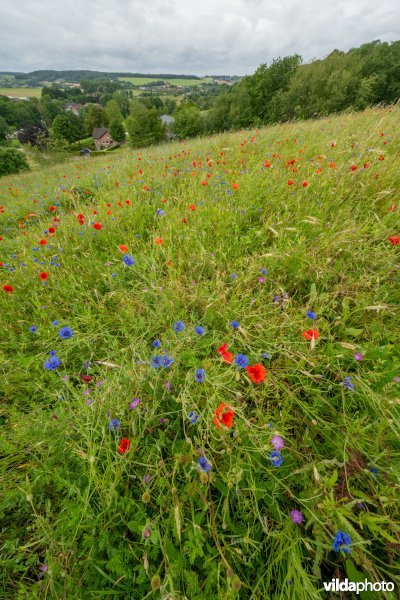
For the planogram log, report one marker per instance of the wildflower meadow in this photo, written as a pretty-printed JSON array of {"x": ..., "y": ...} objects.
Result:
[{"x": 200, "y": 372}]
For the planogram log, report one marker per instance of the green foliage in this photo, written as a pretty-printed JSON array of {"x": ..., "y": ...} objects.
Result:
[
  {"x": 95, "y": 116},
  {"x": 12, "y": 161},
  {"x": 4, "y": 130},
  {"x": 144, "y": 126},
  {"x": 286, "y": 90},
  {"x": 67, "y": 126},
  {"x": 188, "y": 121},
  {"x": 117, "y": 131}
]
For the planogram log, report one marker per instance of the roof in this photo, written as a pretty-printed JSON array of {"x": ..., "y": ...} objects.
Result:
[
  {"x": 167, "y": 119},
  {"x": 98, "y": 132}
]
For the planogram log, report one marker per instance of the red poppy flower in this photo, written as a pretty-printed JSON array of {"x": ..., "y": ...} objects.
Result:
[
  {"x": 394, "y": 240},
  {"x": 192, "y": 206},
  {"x": 124, "y": 446},
  {"x": 224, "y": 416},
  {"x": 184, "y": 220},
  {"x": 223, "y": 351},
  {"x": 204, "y": 183},
  {"x": 310, "y": 334},
  {"x": 86, "y": 378},
  {"x": 8, "y": 288},
  {"x": 42, "y": 242},
  {"x": 123, "y": 248},
  {"x": 97, "y": 225},
  {"x": 305, "y": 183},
  {"x": 290, "y": 182},
  {"x": 256, "y": 373},
  {"x": 52, "y": 208},
  {"x": 353, "y": 167},
  {"x": 43, "y": 276},
  {"x": 52, "y": 229},
  {"x": 158, "y": 241},
  {"x": 81, "y": 219},
  {"x": 235, "y": 186}
]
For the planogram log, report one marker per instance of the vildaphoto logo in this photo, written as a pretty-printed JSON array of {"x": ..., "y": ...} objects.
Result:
[{"x": 358, "y": 586}]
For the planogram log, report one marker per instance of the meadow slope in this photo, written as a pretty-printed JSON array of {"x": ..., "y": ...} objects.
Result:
[{"x": 200, "y": 369}]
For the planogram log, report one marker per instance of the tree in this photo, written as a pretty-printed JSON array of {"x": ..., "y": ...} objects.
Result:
[
  {"x": 68, "y": 126},
  {"x": 4, "y": 130},
  {"x": 12, "y": 161},
  {"x": 188, "y": 121},
  {"x": 117, "y": 131},
  {"x": 95, "y": 117},
  {"x": 113, "y": 111},
  {"x": 144, "y": 125},
  {"x": 35, "y": 135}
]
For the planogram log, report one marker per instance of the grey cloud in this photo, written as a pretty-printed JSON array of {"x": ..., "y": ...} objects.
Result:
[{"x": 215, "y": 36}]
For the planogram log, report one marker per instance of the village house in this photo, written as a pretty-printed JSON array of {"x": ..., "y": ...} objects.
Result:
[
  {"x": 74, "y": 107},
  {"x": 102, "y": 138}
]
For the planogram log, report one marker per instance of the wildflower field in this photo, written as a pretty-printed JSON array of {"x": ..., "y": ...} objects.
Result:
[{"x": 200, "y": 370}]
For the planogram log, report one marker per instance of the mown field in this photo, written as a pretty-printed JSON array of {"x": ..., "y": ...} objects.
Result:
[
  {"x": 200, "y": 367},
  {"x": 21, "y": 92},
  {"x": 175, "y": 81}
]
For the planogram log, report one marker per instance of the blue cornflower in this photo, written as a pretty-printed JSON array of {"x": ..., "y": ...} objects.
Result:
[
  {"x": 200, "y": 375},
  {"x": 347, "y": 384},
  {"x": 374, "y": 471},
  {"x": 193, "y": 417},
  {"x": 33, "y": 328},
  {"x": 342, "y": 541},
  {"x": 276, "y": 458},
  {"x": 235, "y": 324},
  {"x": 156, "y": 362},
  {"x": 264, "y": 271},
  {"x": 166, "y": 361},
  {"x": 65, "y": 333},
  {"x": 52, "y": 352},
  {"x": 277, "y": 298},
  {"x": 199, "y": 330},
  {"x": 156, "y": 343},
  {"x": 52, "y": 363},
  {"x": 159, "y": 212},
  {"x": 241, "y": 360},
  {"x": 204, "y": 465},
  {"x": 179, "y": 326},
  {"x": 265, "y": 355},
  {"x": 128, "y": 260},
  {"x": 114, "y": 424},
  {"x": 311, "y": 315},
  {"x": 55, "y": 323},
  {"x": 234, "y": 276}
]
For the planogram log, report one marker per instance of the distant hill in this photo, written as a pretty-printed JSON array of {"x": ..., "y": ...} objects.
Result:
[{"x": 79, "y": 75}]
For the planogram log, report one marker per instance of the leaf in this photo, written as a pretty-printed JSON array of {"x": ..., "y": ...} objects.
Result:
[
  {"x": 313, "y": 294},
  {"x": 333, "y": 478},
  {"x": 358, "y": 577},
  {"x": 353, "y": 331}
]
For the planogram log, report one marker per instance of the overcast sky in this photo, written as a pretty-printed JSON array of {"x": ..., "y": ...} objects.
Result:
[{"x": 184, "y": 36}]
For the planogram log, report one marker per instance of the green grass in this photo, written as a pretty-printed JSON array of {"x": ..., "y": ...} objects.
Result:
[
  {"x": 149, "y": 523},
  {"x": 175, "y": 81},
  {"x": 21, "y": 92}
]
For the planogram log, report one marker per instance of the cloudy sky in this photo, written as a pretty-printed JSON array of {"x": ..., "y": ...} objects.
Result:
[{"x": 183, "y": 36}]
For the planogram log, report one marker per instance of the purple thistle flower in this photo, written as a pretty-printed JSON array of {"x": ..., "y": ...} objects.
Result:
[
  {"x": 296, "y": 516},
  {"x": 277, "y": 442},
  {"x": 135, "y": 403}
]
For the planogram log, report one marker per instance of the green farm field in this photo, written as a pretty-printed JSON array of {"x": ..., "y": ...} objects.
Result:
[
  {"x": 200, "y": 368},
  {"x": 21, "y": 92},
  {"x": 177, "y": 81}
]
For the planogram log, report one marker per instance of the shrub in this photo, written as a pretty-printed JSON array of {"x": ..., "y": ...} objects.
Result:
[{"x": 12, "y": 161}]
